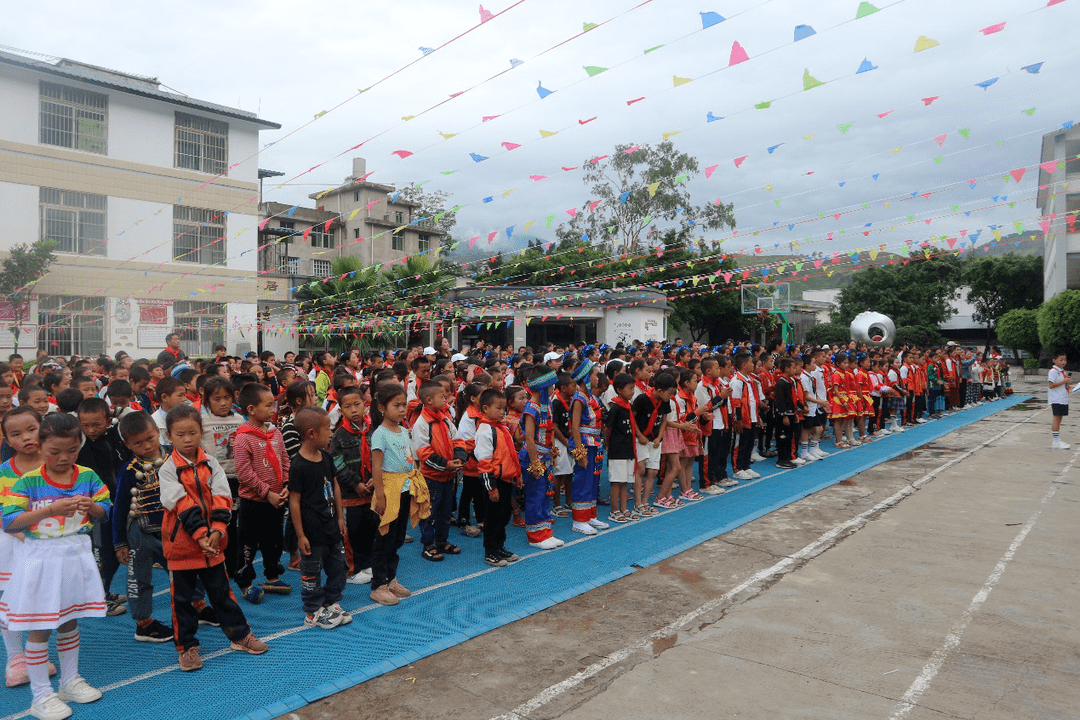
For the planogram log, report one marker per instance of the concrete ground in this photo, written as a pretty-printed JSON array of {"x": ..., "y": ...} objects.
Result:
[{"x": 936, "y": 585}]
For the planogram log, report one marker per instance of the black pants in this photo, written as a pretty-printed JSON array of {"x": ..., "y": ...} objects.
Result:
[
  {"x": 232, "y": 548},
  {"x": 362, "y": 524},
  {"x": 262, "y": 529},
  {"x": 384, "y": 553},
  {"x": 784, "y": 440},
  {"x": 718, "y": 447},
  {"x": 323, "y": 558},
  {"x": 765, "y": 438},
  {"x": 498, "y": 515},
  {"x": 473, "y": 496},
  {"x": 741, "y": 458},
  {"x": 963, "y": 393},
  {"x": 186, "y": 621}
]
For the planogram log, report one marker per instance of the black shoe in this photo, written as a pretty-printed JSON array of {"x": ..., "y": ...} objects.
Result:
[
  {"x": 786, "y": 465},
  {"x": 154, "y": 632},
  {"x": 508, "y": 556},
  {"x": 208, "y": 616},
  {"x": 495, "y": 560}
]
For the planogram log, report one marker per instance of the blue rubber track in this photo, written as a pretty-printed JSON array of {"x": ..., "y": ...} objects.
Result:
[{"x": 453, "y": 601}]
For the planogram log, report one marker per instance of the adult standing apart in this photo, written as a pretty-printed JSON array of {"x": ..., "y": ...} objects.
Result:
[
  {"x": 444, "y": 347},
  {"x": 172, "y": 352}
]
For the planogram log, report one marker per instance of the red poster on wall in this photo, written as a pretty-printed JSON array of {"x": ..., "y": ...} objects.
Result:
[{"x": 153, "y": 314}]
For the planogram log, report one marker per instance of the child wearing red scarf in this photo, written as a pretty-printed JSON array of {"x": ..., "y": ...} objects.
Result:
[
  {"x": 262, "y": 469},
  {"x": 351, "y": 448},
  {"x": 500, "y": 472},
  {"x": 441, "y": 454}
]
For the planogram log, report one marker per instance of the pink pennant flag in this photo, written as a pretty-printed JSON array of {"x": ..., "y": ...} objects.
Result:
[
  {"x": 491, "y": 235},
  {"x": 472, "y": 243},
  {"x": 631, "y": 102},
  {"x": 710, "y": 170},
  {"x": 993, "y": 29},
  {"x": 927, "y": 221},
  {"x": 510, "y": 146},
  {"x": 927, "y": 100},
  {"x": 1044, "y": 225},
  {"x": 402, "y": 153},
  {"x": 1018, "y": 174},
  {"x": 597, "y": 159},
  {"x": 630, "y": 151},
  {"x": 572, "y": 212},
  {"x": 568, "y": 169},
  {"x": 485, "y": 15},
  {"x": 738, "y": 54},
  {"x": 940, "y": 139},
  {"x": 951, "y": 241},
  {"x": 488, "y": 117},
  {"x": 1049, "y": 166},
  {"x": 262, "y": 225},
  {"x": 817, "y": 264},
  {"x": 373, "y": 203},
  {"x": 365, "y": 177},
  {"x": 887, "y": 112},
  {"x": 586, "y": 122},
  {"x": 307, "y": 234},
  {"x": 727, "y": 277},
  {"x": 593, "y": 204},
  {"x": 326, "y": 225},
  {"x": 537, "y": 178},
  {"x": 739, "y": 160}
]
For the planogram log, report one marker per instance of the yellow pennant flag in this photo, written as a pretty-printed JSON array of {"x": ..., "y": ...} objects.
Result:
[
  {"x": 653, "y": 188},
  {"x": 548, "y": 133}
]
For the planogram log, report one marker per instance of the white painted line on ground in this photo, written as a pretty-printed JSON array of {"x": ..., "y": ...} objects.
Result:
[
  {"x": 910, "y": 699},
  {"x": 554, "y": 691}
]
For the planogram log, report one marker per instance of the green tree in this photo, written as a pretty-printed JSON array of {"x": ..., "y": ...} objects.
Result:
[
  {"x": 1000, "y": 284},
  {"x": 918, "y": 293},
  {"x": 921, "y": 335},
  {"x": 1019, "y": 329},
  {"x": 1059, "y": 322},
  {"x": 353, "y": 291},
  {"x": 634, "y": 188},
  {"x": 433, "y": 207},
  {"x": 831, "y": 333},
  {"x": 24, "y": 265}
]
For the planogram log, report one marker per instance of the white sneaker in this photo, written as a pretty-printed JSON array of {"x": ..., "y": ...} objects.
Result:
[
  {"x": 743, "y": 475},
  {"x": 921, "y": 421},
  {"x": 344, "y": 618},
  {"x": 549, "y": 544},
  {"x": 798, "y": 461},
  {"x": 599, "y": 524},
  {"x": 361, "y": 577},
  {"x": 883, "y": 432},
  {"x": 807, "y": 457},
  {"x": 50, "y": 707},
  {"x": 756, "y": 457},
  {"x": 1058, "y": 445},
  {"x": 713, "y": 490},
  {"x": 79, "y": 691},
  {"x": 559, "y": 543},
  {"x": 754, "y": 474},
  {"x": 898, "y": 429},
  {"x": 584, "y": 528},
  {"x": 819, "y": 453}
]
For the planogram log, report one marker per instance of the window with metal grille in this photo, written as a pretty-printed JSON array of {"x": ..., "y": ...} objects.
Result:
[
  {"x": 399, "y": 217},
  {"x": 320, "y": 239},
  {"x": 71, "y": 325},
  {"x": 424, "y": 243},
  {"x": 75, "y": 220},
  {"x": 201, "y": 144},
  {"x": 321, "y": 268},
  {"x": 73, "y": 118},
  {"x": 397, "y": 242},
  {"x": 198, "y": 235},
  {"x": 201, "y": 326}
]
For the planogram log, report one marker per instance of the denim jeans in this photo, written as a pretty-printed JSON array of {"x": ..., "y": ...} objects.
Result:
[
  {"x": 313, "y": 591},
  {"x": 435, "y": 529},
  {"x": 144, "y": 550}
]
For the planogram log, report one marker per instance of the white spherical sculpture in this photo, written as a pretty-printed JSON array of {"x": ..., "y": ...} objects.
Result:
[{"x": 873, "y": 328}]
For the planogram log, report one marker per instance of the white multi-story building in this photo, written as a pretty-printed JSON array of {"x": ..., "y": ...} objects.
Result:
[
  {"x": 1061, "y": 254},
  {"x": 152, "y": 199}
]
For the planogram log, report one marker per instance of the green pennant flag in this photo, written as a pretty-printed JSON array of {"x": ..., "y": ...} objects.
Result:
[
  {"x": 865, "y": 9},
  {"x": 965, "y": 132},
  {"x": 680, "y": 178},
  {"x": 844, "y": 127},
  {"x": 809, "y": 82},
  {"x": 550, "y": 219},
  {"x": 653, "y": 48},
  {"x": 763, "y": 105},
  {"x": 594, "y": 70},
  {"x": 938, "y": 159}
]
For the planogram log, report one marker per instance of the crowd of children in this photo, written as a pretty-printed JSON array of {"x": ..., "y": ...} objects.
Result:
[{"x": 319, "y": 464}]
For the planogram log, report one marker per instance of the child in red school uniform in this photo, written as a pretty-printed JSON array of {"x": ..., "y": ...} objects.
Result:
[{"x": 500, "y": 472}]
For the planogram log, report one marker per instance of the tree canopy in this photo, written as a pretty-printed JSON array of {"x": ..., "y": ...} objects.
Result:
[
  {"x": 1019, "y": 329},
  {"x": 1059, "y": 322},
  {"x": 24, "y": 265},
  {"x": 912, "y": 292},
  {"x": 1000, "y": 284}
]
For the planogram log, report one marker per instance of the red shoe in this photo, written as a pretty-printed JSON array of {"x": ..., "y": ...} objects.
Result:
[{"x": 518, "y": 520}]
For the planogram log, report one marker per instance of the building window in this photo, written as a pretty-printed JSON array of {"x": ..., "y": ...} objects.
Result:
[
  {"x": 424, "y": 243},
  {"x": 356, "y": 196},
  {"x": 288, "y": 224},
  {"x": 198, "y": 235},
  {"x": 399, "y": 217},
  {"x": 75, "y": 220},
  {"x": 397, "y": 242},
  {"x": 201, "y": 326},
  {"x": 71, "y": 325},
  {"x": 201, "y": 144},
  {"x": 356, "y": 233},
  {"x": 320, "y": 239},
  {"x": 321, "y": 268},
  {"x": 73, "y": 118}
]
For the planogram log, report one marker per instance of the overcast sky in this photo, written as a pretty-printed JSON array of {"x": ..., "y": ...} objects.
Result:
[{"x": 289, "y": 61}]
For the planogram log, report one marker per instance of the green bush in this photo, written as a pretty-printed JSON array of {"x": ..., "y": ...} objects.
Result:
[
  {"x": 1019, "y": 329},
  {"x": 1031, "y": 364},
  {"x": 831, "y": 333},
  {"x": 922, "y": 335},
  {"x": 1059, "y": 322}
]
